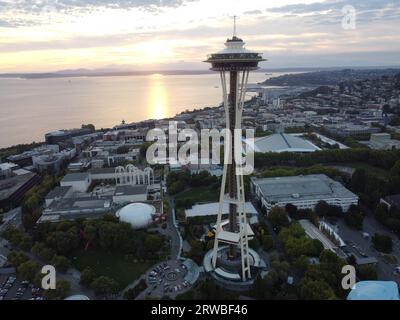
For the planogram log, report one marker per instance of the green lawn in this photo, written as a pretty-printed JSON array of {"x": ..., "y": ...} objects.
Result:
[
  {"x": 112, "y": 265},
  {"x": 201, "y": 194}
]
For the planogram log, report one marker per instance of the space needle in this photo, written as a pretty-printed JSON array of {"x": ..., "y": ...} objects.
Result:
[{"x": 231, "y": 260}]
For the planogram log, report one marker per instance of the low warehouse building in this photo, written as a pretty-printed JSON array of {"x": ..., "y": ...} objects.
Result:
[
  {"x": 129, "y": 193},
  {"x": 78, "y": 181},
  {"x": 304, "y": 192}
]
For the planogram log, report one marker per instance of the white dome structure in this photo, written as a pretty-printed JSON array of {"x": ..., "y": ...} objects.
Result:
[
  {"x": 138, "y": 215},
  {"x": 77, "y": 297},
  {"x": 374, "y": 290}
]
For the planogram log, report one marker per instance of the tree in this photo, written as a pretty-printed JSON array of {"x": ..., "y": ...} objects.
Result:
[
  {"x": 395, "y": 170},
  {"x": 382, "y": 243},
  {"x": 44, "y": 253},
  {"x": 104, "y": 286},
  {"x": 291, "y": 210},
  {"x": 302, "y": 262},
  {"x": 196, "y": 251},
  {"x": 382, "y": 212},
  {"x": 17, "y": 238},
  {"x": 26, "y": 243},
  {"x": 352, "y": 260},
  {"x": 61, "y": 263},
  {"x": 321, "y": 208},
  {"x": 16, "y": 258},
  {"x": 367, "y": 272},
  {"x": 27, "y": 270},
  {"x": 87, "y": 276},
  {"x": 278, "y": 217},
  {"x": 267, "y": 242},
  {"x": 315, "y": 248},
  {"x": 152, "y": 242},
  {"x": 335, "y": 211},
  {"x": 62, "y": 290},
  {"x": 309, "y": 289},
  {"x": 358, "y": 180},
  {"x": 89, "y": 126},
  {"x": 354, "y": 219}
]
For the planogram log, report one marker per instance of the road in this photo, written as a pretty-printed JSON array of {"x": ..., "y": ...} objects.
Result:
[{"x": 173, "y": 230}]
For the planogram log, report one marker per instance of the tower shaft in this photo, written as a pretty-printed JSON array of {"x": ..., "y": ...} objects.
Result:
[{"x": 232, "y": 183}]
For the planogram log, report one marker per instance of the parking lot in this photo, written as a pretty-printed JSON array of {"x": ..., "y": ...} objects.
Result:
[
  {"x": 167, "y": 278},
  {"x": 362, "y": 247},
  {"x": 12, "y": 288}
]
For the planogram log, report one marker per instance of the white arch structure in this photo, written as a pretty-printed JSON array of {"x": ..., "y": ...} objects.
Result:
[{"x": 131, "y": 175}]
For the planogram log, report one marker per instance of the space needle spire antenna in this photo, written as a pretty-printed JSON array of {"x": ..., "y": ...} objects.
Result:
[
  {"x": 231, "y": 257},
  {"x": 234, "y": 26}
]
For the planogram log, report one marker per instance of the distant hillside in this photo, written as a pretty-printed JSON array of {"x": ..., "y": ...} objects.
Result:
[{"x": 328, "y": 78}]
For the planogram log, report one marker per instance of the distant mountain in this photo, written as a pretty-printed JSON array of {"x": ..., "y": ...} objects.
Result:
[
  {"x": 97, "y": 73},
  {"x": 75, "y": 71},
  {"x": 304, "y": 77}
]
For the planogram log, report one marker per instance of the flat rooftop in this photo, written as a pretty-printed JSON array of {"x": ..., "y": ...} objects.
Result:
[
  {"x": 80, "y": 203},
  {"x": 79, "y": 176},
  {"x": 11, "y": 185},
  {"x": 310, "y": 187},
  {"x": 211, "y": 209},
  {"x": 58, "y": 192},
  {"x": 282, "y": 142},
  {"x": 102, "y": 170},
  {"x": 129, "y": 190}
]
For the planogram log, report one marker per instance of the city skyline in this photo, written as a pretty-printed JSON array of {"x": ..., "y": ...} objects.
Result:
[{"x": 44, "y": 36}]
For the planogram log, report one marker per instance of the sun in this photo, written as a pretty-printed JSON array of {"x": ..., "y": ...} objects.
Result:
[{"x": 155, "y": 50}]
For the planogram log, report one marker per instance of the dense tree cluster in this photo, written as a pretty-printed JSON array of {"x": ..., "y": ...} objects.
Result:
[
  {"x": 323, "y": 209},
  {"x": 278, "y": 218},
  {"x": 62, "y": 290},
  {"x": 57, "y": 243},
  {"x": 296, "y": 243},
  {"x": 106, "y": 234},
  {"x": 104, "y": 286},
  {"x": 379, "y": 158},
  {"x": 322, "y": 281},
  {"x": 382, "y": 243},
  {"x": 17, "y": 238},
  {"x": 274, "y": 286},
  {"x": 33, "y": 199},
  {"x": 179, "y": 181},
  {"x": 389, "y": 217},
  {"x": 315, "y": 169},
  {"x": 262, "y": 238},
  {"x": 354, "y": 217},
  {"x": 132, "y": 293},
  {"x": 208, "y": 290}
]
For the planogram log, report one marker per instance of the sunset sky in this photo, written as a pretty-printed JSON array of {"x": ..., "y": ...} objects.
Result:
[{"x": 50, "y": 35}]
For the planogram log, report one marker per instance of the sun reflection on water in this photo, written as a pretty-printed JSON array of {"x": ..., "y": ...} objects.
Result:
[{"x": 158, "y": 100}]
